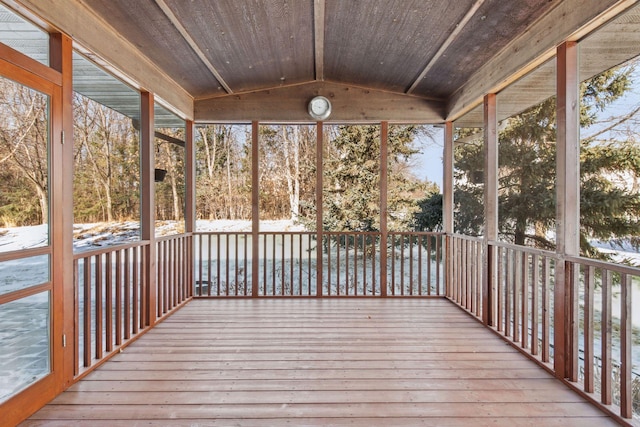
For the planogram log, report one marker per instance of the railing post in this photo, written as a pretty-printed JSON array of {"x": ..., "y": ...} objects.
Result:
[
  {"x": 255, "y": 210},
  {"x": 319, "y": 212},
  {"x": 488, "y": 281},
  {"x": 190, "y": 206},
  {"x": 384, "y": 135}
]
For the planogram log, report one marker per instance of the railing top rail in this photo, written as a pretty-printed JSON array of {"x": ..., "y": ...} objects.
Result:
[
  {"x": 172, "y": 237},
  {"x": 465, "y": 237},
  {"x": 526, "y": 249},
  {"x": 417, "y": 233},
  {"x": 106, "y": 249},
  {"x": 618, "y": 268},
  {"x": 233, "y": 233}
]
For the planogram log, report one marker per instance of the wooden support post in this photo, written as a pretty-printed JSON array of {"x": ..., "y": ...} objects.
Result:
[
  {"x": 255, "y": 210},
  {"x": 490, "y": 205},
  {"x": 190, "y": 178},
  {"x": 567, "y": 210},
  {"x": 190, "y": 204},
  {"x": 319, "y": 211},
  {"x": 61, "y": 213},
  {"x": 384, "y": 232},
  {"x": 447, "y": 204},
  {"x": 148, "y": 205}
]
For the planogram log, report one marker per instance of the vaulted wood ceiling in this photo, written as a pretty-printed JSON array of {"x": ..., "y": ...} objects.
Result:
[{"x": 264, "y": 59}]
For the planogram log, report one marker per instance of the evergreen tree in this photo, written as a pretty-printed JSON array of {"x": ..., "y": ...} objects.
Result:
[
  {"x": 351, "y": 197},
  {"x": 527, "y": 148}
]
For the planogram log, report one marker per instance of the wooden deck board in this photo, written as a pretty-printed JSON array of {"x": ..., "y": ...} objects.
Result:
[{"x": 319, "y": 363}]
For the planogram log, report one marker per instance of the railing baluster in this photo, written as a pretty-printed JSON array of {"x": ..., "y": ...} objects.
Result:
[
  {"x": 218, "y": 290},
  {"x": 546, "y": 275},
  {"x": 98, "y": 307},
  {"x": 136, "y": 291},
  {"x": 535, "y": 306},
  {"x": 374, "y": 272},
  {"x": 626, "y": 362},
  {"x": 355, "y": 264},
  {"x": 508, "y": 286},
  {"x": 606, "y": 330},
  {"x": 517, "y": 293},
  {"x": 227, "y": 277},
  {"x": 86, "y": 305},
  {"x": 524, "y": 318},
  {"x": 438, "y": 258},
  {"x": 589, "y": 282},
  {"x": 235, "y": 271},
  {"x": 429, "y": 284},
  {"x": 109, "y": 302},
  {"x": 402, "y": 259},
  {"x": 246, "y": 264},
  {"x": 118, "y": 296},
  {"x": 127, "y": 296},
  {"x": 264, "y": 264},
  {"x": 499, "y": 288},
  {"x": 392, "y": 237}
]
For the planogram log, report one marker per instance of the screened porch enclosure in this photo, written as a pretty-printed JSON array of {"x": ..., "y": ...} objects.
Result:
[{"x": 502, "y": 293}]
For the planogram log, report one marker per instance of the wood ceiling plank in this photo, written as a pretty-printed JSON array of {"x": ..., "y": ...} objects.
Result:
[
  {"x": 183, "y": 31},
  {"x": 253, "y": 44},
  {"x": 384, "y": 44},
  {"x": 532, "y": 48},
  {"x": 318, "y": 31},
  {"x": 437, "y": 56}
]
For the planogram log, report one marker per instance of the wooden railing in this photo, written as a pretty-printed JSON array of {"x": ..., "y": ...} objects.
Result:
[
  {"x": 416, "y": 265},
  {"x": 602, "y": 360},
  {"x": 287, "y": 264},
  {"x": 522, "y": 297},
  {"x": 112, "y": 293},
  {"x": 174, "y": 272},
  {"x": 465, "y": 284},
  {"x": 586, "y": 340},
  {"x": 109, "y": 285}
]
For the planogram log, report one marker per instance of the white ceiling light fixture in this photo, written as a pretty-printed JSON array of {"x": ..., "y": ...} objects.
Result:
[{"x": 319, "y": 108}]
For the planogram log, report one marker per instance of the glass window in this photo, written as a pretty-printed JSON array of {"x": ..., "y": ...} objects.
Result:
[
  {"x": 24, "y": 343},
  {"x": 24, "y": 167}
]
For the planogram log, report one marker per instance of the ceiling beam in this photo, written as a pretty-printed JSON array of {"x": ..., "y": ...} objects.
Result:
[
  {"x": 454, "y": 34},
  {"x": 192, "y": 43},
  {"x": 350, "y": 104},
  {"x": 318, "y": 27}
]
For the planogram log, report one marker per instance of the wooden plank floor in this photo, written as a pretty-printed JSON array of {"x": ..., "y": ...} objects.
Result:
[{"x": 319, "y": 362}]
